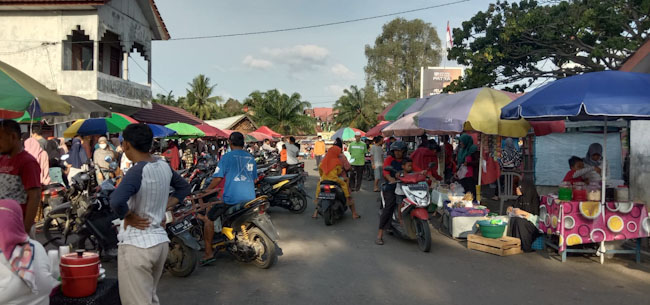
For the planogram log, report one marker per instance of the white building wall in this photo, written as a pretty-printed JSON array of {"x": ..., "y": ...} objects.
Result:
[{"x": 24, "y": 34}]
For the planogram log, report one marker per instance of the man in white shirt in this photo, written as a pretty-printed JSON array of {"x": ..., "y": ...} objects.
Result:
[
  {"x": 267, "y": 146},
  {"x": 292, "y": 151},
  {"x": 279, "y": 145}
]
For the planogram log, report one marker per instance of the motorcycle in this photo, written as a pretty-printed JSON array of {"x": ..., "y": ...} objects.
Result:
[
  {"x": 283, "y": 191},
  {"x": 410, "y": 219},
  {"x": 248, "y": 233},
  {"x": 184, "y": 233},
  {"x": 332, "y": 203},
  {"x": 86, "y": 221}
]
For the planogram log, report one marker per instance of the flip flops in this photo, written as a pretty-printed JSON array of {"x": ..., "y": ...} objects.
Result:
[
  {"x": 379, "y": 241},
  {"x": 207, "y": 261}
]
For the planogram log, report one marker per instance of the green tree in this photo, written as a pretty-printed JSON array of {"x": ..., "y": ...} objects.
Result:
[
  {"x": 281, "y": 112},
  {"x": 514, "y": 44},
  {"x": 165, "y": 99},
  {"x": 357, "y": 108},
  {"x": 394, "y": 62},
  {"x": 199, "y": 100}
]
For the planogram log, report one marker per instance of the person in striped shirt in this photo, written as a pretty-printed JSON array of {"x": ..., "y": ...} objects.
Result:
[{"x": 141, "y": 200}]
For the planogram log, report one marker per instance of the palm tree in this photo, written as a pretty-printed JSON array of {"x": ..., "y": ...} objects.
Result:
[
  {"x": 199, "y": 100},
  {"x": 165, "y": 99},
  {"x": 281, "y": 112},
  {"x": 357, "y": 108}
]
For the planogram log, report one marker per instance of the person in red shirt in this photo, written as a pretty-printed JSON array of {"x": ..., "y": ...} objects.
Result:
[
  {"x": 20, "y": 174},
  {"x": 578, "y": 170},
  {"x": 426, "y": 156}
]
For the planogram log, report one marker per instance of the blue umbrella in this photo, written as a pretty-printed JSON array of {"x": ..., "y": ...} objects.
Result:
[
  {"x": 611, "y": 94},
  {"x": 160, "y": 131},
  {"x": 603, "y": 95}
]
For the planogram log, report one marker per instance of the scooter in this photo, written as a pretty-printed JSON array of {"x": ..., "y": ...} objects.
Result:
[
  {"x": 410, "y": 219},
  {"x": 283, "y": 191},
  {"x": 332, "y": 203}
]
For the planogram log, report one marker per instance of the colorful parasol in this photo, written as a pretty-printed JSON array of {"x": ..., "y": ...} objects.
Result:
[
  {"x": 346, "y": 133},
  {"x": 393, "y": 110},
  {"x": 99, "y": 126},
  {"x": 403, "y": 127},
  {"x": 472, "y": 110},
  {"x": 260, "y": 136},
  {"x": 211, "y": 131},
  {"x": 376, "y": 131},
  {"x": 185, "y": 130},
  {"x": 268, "y": 131},
  {"x": 22, "y": 93},
  {"x": 160, "y": 131}
]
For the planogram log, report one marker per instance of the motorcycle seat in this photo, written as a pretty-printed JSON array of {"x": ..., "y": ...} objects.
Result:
[
  {"x": 276, "y": 179},
  {"x": 329, "y": 182}
]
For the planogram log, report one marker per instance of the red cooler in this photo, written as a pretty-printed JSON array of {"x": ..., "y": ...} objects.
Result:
[{"x": 79, "y": 272}]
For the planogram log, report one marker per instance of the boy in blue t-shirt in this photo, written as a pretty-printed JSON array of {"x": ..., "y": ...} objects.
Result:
[{"x": 239, "y": 171}]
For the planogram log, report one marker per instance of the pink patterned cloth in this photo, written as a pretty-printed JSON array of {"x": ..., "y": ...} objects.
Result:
[
  {"x": 14, "y": 242},
  {"x": 590, "y": 222}
]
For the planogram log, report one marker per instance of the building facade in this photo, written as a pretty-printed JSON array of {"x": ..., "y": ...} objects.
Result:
[{"x": 81, "y": 48}]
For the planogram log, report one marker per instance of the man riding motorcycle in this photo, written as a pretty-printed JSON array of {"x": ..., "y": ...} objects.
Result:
[
  {"x": 395, "y": 161},
  {"x": 239, "y": 170}
]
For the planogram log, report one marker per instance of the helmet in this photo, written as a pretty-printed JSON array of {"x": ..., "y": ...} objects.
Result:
[{"x": 398, "y": 145}]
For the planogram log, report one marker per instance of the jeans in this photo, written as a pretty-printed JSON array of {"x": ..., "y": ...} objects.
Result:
[
  {"x": 356, "y": 177},
  {"x": 319, "y": 158}
]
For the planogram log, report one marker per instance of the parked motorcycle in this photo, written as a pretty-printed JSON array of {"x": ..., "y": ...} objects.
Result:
[
  {"x": 283, "y": 191},
  {"x": 410, "y": 219},
  {"x": 331, "y": 203},
  {"x": 86, "y": 221},
  {"x": 248, "y": 234},
  {"x": 184, "y": 232}
]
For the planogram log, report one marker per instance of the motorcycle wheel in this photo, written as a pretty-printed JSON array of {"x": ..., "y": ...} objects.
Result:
[
  {"x": 54, "y": 230},
  {"x": 328, "y": 216},
  {"x": 181, "y": 260},
  {"x": 298, "y": 202},
  {"x": 423, "y": 234},
  {"x": 268, "y": 256}
]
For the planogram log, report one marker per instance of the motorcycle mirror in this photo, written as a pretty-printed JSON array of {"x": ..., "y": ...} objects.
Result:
[{"x": 65, "y": 157}]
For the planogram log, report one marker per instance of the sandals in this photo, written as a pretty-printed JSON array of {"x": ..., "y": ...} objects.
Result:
[
  {"x": 207, "y": 261},
  {"x": 379, "y": 242},
  {"x": 358, "y": 216}
]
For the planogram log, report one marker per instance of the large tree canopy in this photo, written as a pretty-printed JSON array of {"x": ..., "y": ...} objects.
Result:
[
  {"x": 281, "y": 112},
  {"x": 357, "y": 108},
  {"x": 394, "y": 62},
  {"x": 199, "y": 100},
  {"x": 514, "y": 44}
]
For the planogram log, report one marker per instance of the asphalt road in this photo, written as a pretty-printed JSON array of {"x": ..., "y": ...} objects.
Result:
[{"x": 342, "y": 265}]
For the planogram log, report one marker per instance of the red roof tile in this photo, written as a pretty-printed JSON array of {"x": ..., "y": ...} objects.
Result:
[{"x": 163, "y": 115}]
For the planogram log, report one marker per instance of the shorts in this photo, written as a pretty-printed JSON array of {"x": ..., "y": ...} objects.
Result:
[{"x": 378, "y": 172}]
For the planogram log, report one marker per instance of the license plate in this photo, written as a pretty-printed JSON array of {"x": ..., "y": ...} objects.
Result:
[
  {"x": 328, "y": 196},
  {"x": 181, "y": 227}
]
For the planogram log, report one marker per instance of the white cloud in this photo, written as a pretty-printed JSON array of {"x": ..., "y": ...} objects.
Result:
[
  {"x": 342, "y": 71},
  {"x": 256, "y": 63},
  {"x": 299, "y": 57},
  {"x": 335, "y": 90}
]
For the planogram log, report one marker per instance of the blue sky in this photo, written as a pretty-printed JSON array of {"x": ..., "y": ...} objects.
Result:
[{"x": 317, "y": 63}]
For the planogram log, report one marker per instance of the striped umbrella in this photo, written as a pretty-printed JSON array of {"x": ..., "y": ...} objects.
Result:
[
  {"x": 99, "y": 126},
  {"x": 22, "y": 93}
]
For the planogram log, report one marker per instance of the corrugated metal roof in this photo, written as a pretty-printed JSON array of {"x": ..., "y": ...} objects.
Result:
[{"x": 163, "y": 115}]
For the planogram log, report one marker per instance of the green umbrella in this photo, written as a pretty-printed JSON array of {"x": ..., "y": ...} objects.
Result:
[
  {"x": 250, "y": 139},
  {"x": 185, "y": 130},
  {"x": 18, "y": 92},
  {"x": 346, "y": 133},
  {"x": 394, "y": 112}
]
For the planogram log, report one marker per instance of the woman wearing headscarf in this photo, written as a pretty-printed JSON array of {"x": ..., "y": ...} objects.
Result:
[
  {"x": 25, "y": 270},
  {"x": 594, "y": 159},
  {"x": 510, "y": 157},
  {"x": 172, "y": 155},
  {"x": 77, "y": 159},
  {"x": 99, "y": 158},
  {"x": 33, "y": 147},
  {"x": 331, "y": 169},
  {"x": 468, "y": 157}
]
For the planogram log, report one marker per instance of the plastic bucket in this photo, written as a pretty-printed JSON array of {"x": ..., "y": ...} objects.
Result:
[
  {"x": 491, "y": 231},
  {"x": 79, "y": 272}
]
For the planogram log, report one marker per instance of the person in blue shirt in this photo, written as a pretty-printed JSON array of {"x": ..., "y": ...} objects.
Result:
[{"x": 239, "y": 171}]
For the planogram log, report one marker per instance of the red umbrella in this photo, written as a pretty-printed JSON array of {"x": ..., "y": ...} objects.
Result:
[
  {"x": 268, "y": 131},
  {"x": 228, "y": 132},
  {"x": 376, "y": 131},
  {"x": 211, "y": 131},
  {"x": 260, "y": 136}
]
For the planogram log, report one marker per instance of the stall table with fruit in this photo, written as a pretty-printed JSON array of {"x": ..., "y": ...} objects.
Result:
[{"x": 585, "y": 222}]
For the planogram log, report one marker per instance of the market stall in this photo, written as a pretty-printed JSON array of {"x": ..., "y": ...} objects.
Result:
[{"x": 607, "y": 95}]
